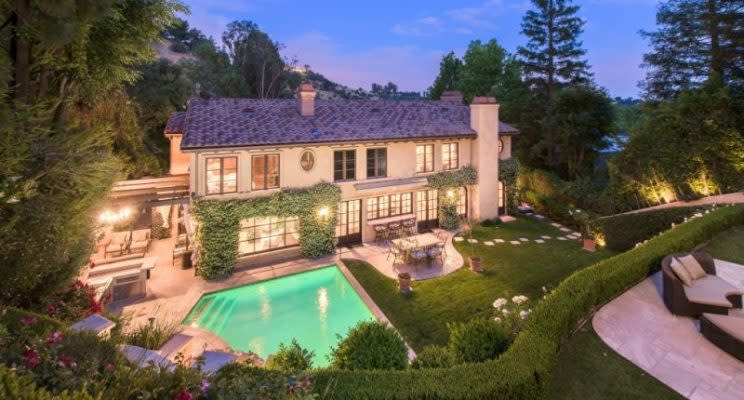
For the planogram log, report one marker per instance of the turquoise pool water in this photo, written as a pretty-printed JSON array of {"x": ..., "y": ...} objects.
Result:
[{"x": 312, "y": 307}]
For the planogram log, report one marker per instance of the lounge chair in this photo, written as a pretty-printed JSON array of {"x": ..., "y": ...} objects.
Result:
[
  {"x": 178, "y": 344},
  {"x": 725, "y": 331},
  {"x": 116, "y": 244},
  {"x": 143, "y": 357},
  {"x": 706, "y": 294},
  {"x": 214, "y": 360},
  {"x": 140, "y": 241}
]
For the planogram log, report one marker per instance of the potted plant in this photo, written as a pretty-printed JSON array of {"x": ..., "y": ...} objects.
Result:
[
  {"x": 466, "y": 228},
  {"x": 404, "y": 282},
  {"x": 587, "y": 240}
]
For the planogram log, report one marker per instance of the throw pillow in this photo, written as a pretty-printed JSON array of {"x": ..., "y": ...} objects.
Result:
[
  {"x": 681, "y": 272},
  {"x": 692, "y": 266}
]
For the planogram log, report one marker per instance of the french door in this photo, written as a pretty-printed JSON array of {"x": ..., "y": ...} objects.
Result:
[
  {"x": 349, "y": 225},
  {"x": 427, "y": 210}
]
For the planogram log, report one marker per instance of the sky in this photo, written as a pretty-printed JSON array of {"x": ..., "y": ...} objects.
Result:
[{"x": 359, "y": 42}]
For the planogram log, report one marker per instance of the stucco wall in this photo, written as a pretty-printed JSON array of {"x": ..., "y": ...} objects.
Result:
[{"x": 179, "y": 162}]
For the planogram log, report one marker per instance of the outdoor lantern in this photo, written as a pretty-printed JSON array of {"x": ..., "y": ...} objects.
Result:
[{"x": 323, "y": 213}]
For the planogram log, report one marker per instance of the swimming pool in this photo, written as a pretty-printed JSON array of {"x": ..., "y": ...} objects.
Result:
[{"x": 312, "y": 307}]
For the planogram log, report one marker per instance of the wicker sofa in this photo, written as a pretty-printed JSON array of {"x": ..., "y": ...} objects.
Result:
[
  {"x": 709, "y": 294},
  {"x": 725, "y": 331}
]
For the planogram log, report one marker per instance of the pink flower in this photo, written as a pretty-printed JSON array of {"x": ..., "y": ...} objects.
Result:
[
  {"x": 67, "y": 361},
  {"x": 184, "y": 394},
  {"x": 31, "y": 358},
  {"x": 51, "y": 309},
  {"x": 30, "y": 320},
  {"x": 54, "y": 338},
  {"x": 110, "y": 367}
]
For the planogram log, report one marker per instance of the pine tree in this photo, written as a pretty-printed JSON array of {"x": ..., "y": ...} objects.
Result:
[
  {"x": 553, "y": 55},
  {"x": 450, "y": 71},
  {"x": 696, "y": 39}
]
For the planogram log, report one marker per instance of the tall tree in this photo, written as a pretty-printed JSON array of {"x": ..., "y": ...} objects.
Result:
[
  {"x": 696, "y": 39},
  {"x": 257, "y": 58},
  {"x": 450, "y": 69},
  {"x": 60, "y": 62},
  {"x": 553, "y": 54},
  {"x": 583, "y": 119}
]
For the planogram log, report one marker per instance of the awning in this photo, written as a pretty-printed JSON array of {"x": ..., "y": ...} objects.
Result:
[{"x": 415, "y": 181}]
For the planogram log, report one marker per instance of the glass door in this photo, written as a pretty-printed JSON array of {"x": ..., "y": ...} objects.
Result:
[
  {"x": 349, "y": 224},
  {"x": 427, "y": 210}
]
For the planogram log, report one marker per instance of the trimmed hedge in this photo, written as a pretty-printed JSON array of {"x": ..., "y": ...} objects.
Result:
[
  {"x": 17, "y": 387},
  {"x": 622, "y": 232},
  {"x": 523, "y": 371},
  {"x": 10, "y": 318},
  {"x": 219, "y": 224}
]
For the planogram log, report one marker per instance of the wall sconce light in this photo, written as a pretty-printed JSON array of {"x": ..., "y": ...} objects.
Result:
[
  {"x": 323, "y": 213},
  {"x": 110, "y": 217},
  {"x": 451, "y": 194}
]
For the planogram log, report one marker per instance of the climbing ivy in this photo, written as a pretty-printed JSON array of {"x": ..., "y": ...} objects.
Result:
[
  {"x": 448, "y": 181},
  {"x": 465, "y": 176},
  {"x": 508, "y": 173},
  {"x": 219, "y": 224}
]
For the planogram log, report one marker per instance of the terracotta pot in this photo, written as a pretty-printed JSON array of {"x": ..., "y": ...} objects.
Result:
[
  {"x": 589, "y": 244},
  {"x": 404, "y": 282},
  {"x": 475, "y": 264}
]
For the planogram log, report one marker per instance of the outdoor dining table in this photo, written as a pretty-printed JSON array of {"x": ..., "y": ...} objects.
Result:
[{"x": 420, "y": 241}]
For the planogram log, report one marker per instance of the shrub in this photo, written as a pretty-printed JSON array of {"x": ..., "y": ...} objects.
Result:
[
  {"x": 128, "y": 382},
  {"x": 76, "y": 303},
  {"x": 238, "y": 382},
  {"x": 370, "y": 345},
  {"x": 22, "y": 387},
  {"x": 477, "y": 340},
  {"x": 622, "y": 232},
  {"x": 524, "y": 370},
  {"x": 15, "y": 319},
  {"x": 152, "y": 335},
  {"x": 291, "y": 358},
  {"x": 434, "y": 357}
]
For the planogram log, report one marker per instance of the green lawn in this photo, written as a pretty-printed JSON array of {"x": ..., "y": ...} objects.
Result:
[
  {"x": 728, "y": 245},
  {"x": 588, "y": 369},
  {"x": 422, "y": 316}
]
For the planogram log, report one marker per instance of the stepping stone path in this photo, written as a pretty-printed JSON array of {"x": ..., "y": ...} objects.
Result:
[
  {"x": 458, "y": 239},
  {"x": 488, "y": 243},
  {"x": 545, "y": 237},
  {"x": 524, "y": 239},
  {"x": 557, "y": 225},
  {"x": 498, "y": 240},
  {"x": 515, "y": 242},
  {"x": 539, "y": 241},
  {"x": 472, "y": 240},
  {"x": 564, "y": 229},
  {"x": 539, "y": 216},
  {"x": 561, "y": 238}
]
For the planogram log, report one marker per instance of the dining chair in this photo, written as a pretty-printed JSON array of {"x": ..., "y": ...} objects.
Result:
[
  {"x": 396, "y": 253},
  {"x": 394, "y": 230},
  {"x": 435, "y": 252},
  {"x": 381, "y": 233},
  {"x": 418, "y": 254}
]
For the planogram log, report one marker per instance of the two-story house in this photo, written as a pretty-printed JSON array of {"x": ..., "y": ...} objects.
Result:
[{"x": 378, "y": 152}]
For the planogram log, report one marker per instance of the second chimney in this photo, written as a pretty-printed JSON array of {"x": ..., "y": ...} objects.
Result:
[{"x": 306, "y": 103}]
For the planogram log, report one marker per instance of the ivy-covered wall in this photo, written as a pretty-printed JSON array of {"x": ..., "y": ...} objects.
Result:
[
  {"x": 448, "y": 181},
  {"x": 219, "y": 224},
  {"x": 508, "y": 173}
]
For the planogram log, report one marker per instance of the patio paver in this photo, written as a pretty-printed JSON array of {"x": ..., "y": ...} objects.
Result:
[{"x": 640, "y": 328}]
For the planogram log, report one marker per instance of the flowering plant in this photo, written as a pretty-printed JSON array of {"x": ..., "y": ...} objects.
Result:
[{"x": 78, "y": 302}]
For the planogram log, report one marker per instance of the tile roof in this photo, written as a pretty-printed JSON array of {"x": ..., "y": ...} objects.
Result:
[
  {"x": 226, "y": 122},
  {"x": 175, "y": 122},
  {"x": 507, "y": 129}
]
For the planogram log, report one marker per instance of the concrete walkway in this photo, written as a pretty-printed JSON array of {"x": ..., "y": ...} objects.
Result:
[
  {"x": 719, "y": 199},
  {"x": 670, "y": 348}
]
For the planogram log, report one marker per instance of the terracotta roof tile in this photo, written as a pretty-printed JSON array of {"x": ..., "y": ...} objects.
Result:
[
  {"x": 223, "y": 122},
  {"x": 175, "y": 122}
]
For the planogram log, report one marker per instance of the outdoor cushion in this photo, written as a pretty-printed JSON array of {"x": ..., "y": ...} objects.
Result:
[
  {"x": 119, "y": 237},
  {"x": 138, "y": 245},
  {"x": 692, "y": 266},
  {"x": 732, "y": 325},
  {"x": 681, "y": 272},
  {"x": 711, "y": 290},
  {"x": 140, "y": 235}
]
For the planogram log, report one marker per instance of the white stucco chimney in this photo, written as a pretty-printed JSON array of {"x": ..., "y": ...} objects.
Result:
[
  {"x": 306, "y": 100},
  {"x": 484, "y": 119}
]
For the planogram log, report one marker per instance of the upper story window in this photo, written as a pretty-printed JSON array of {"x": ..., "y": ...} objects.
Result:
[
  {"x": 450, "y": 156},
  {"x": 425, "y": 158},
  {"x": 376, "y": 163},
  {"x": 222, "y": 175},
  {"x": 344, "y": 165},
  {"x": 265, "y": 171}
]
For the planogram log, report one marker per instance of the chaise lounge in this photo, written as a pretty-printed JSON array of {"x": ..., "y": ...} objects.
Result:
[
  {"x": 725, "y": 331},
  {"x": 705, "y": 292}
]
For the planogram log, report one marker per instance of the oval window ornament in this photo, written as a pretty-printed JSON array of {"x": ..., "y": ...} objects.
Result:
[
  {"x": 307, "y": 160},
  {"x": 501, "y": 146}
]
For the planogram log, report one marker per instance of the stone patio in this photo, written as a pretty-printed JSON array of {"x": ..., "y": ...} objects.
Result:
[
  {"x": 377, "y": 255},
  {"x": 640, "y": 328}
]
